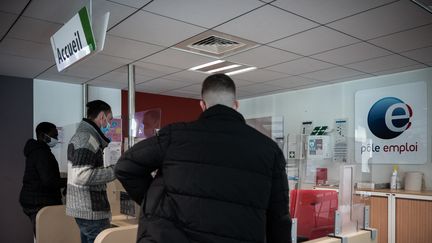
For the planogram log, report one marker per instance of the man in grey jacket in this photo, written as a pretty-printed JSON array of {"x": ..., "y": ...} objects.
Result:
[{"x": 86, "y": 198}]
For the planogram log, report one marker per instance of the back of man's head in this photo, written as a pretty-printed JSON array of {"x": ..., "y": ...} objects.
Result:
[{"x": 219, "y": 89}]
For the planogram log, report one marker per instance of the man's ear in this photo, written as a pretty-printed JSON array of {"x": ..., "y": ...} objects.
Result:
[
  {"x": 236, "y": 104},
  {"x": 203, "y": 105}
]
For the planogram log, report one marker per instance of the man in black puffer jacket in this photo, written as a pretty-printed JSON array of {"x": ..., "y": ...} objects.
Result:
[
  {"x": 218, "y": 180},
  {"x": 41, "y": 181}
]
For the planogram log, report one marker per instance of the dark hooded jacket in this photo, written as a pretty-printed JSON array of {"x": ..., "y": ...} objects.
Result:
[
  {"x": 41, "y": 181},
  {"x": 218, "y": 181}
]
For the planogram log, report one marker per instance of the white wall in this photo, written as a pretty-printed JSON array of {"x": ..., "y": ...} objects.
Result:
[
  {"x": 324, "y": 104},
  {"x": 61, "y": 104}
]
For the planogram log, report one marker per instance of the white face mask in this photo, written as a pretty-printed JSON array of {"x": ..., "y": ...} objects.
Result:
[{"x": 53, "y": 142}]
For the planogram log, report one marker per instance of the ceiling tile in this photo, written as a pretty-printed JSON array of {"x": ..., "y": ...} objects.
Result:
[
  {"x": 160, "y": 85},
  {"x": 314, "y": 41},
  {"x": 21, "y": 66},
  {"x": 65, "y": 9},
  {"x": 193, "y": 89},
  {"x": 332, "y": 74},
  {"x": 153, "y": 70},
  {"x": 259, "y": 88},
  {"x": 188, "y": 76},
  {"x": 27, "y": 49},
  {"x": 34, "y": 30},
  {"x": 422, "y": 55},
  {"x": 406, "y": 40},
  {"x": 107, "y": 84},
  {"x": 303, "y": 65},
  {"x": 7, "y": 20},
  {"x": 382, "y": 64},
  {"x": 130, "y": 49},
  {"x": 384, "y": 20},
  {"x": 95, "y": 66},
  {"x": 207, "y": 13},
  {"x": 353, "y": 78},
  {"x": 262, "y": 56},
  {"x": 177, "y": 59},
  {"x": 403, "y": 69},
  {"x": 61, "y": 78},
  {"x": 146, "y": 27},
  {"x": 240, "y": 82},
  {"x": 184, "y": 94},
  {"x": 13, "y": 6},
  {"x": 353, "y": 53},
  {"x": 132, "y": 3},
  {"x": 293, "y": 81},
  {"x": 260, "y": 75},
  {"x": 328, "y": 10},
  {"x": 115, "y": 77},
  {"x": 266, "y": 24}
]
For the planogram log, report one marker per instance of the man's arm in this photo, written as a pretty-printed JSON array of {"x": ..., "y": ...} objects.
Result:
[
  {"x": 134, "y": 168},
  {"x": 278, "y": 218}
]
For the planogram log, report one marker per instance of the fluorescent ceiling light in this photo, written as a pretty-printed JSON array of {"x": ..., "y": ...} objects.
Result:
[
  {"x": 223, "y": 68},
  {"x": 241, "y": 71},
  {"x": 207, "y": 64}
]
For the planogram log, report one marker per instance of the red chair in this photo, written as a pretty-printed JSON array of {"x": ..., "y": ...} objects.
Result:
[{"x": 314, "y": 210}]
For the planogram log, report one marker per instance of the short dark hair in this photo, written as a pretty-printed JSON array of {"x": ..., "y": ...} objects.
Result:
[
  {"x": 95, "y": 107},
  {"x": 217, "y": 83},
  {"x": 44, "y": 128}
]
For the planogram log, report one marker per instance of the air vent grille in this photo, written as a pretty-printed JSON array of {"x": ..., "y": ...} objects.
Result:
[{"x": 215, "y": 45}]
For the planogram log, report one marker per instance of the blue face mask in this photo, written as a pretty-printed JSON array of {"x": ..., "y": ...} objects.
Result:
[{"x": 106, "y": 129}]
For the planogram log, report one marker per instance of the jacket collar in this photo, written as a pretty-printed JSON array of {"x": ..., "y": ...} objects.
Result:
[
  {"x": 222, "y": 112},
  {"x": 96, "y": 130}
]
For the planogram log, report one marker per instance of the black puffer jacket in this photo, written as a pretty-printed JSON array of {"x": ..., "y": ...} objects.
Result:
[
  {"x": 218, "y": 181},
  {"x": 41, "y": 181}
]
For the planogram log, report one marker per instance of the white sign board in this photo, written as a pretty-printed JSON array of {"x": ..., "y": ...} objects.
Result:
[
  {"x": 391, "y": 124},
  {"x": 73, "y": 41}
]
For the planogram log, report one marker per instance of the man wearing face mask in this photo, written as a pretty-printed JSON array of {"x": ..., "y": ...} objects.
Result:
[
  {"x": 41, "y": 181},
  {"x": 86, "y": 198}
]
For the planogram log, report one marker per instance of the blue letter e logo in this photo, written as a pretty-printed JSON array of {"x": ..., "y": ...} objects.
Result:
[{"x": 389, "y": 117}]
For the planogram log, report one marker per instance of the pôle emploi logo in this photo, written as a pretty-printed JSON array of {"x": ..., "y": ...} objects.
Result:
[{"x": 388, "y": 118}]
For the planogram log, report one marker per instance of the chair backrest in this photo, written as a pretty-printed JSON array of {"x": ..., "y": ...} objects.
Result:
[
  {"x": 54, "y": 226},
  {"x": 314, "y": 210},
  {"x": 123, "y": 234}
]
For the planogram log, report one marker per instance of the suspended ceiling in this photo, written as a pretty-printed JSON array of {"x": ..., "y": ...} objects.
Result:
[{"x": 301, "y": 43}]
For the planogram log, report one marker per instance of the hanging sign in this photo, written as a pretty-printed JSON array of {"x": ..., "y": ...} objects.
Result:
[{"x": 391, "y": 125}]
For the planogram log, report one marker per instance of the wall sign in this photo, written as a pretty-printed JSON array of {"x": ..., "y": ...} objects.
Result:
[
  {"x": 391, "y": 125},
  {"x": 73, "y": 41}
]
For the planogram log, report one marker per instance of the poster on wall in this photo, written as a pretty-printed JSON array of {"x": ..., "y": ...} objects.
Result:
[{"x": 391, "y": 124}]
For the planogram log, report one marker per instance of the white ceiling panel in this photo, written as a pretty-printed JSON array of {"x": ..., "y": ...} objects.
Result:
[
  {"x": 403, "y": 69},
  {"x": 259, "y": 88},
  {"x": 332, "y": 74},
  {"x": 423, "y": 55},
  {"x": 384, "y": 20},
  {"x": 177, "y": 59},
  {"x": 188, "y": 76},
  {"x": 107, "y": 84},
  {"x": 27, "y": 49},
  {"x": 66, "y": 9},
  {"x": 240, "y": 82},
  {"x": 95, "y": 66},
  {"x": 328, "y": 10},
  {"x": 353, "y": 53},
  {"x": 314, "y": 41},
  {"x": 184, "y": 94},
  {"x": 303, "y": 65},
  {"x": 290, "y": 82},
  {"x": 266, "y": 24},
  {"x": 260, "y": 75},
  {"x": 130, "y": 49},
  {"x": 61, "y": 78},
  {"x": 193, "y": 89},
  {"x": 382, "y": 64},
  {"x": 160, "y": 85},
  {"x": 6, "y": 20},
  {"x": 206, "y": 13},
  {"x": 132, "y": 3},
  {"x": 267, "y": 56},
  {"x": 13, "y": 6},
  {"x": 153, "y": 70},
  {"x": 358, "y": 77},
  {"x": 115, "y": 77},
  {"x": 155, "y": 29},
  {"x": 406, "y": 40},
  {"x": 34, "y": 30},
  {"x": 21, "y": 66}
]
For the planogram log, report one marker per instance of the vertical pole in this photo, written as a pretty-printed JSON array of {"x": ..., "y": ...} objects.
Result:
[
  {"x": 84, "y": 99},
  {"x": 131, "y": 103}
]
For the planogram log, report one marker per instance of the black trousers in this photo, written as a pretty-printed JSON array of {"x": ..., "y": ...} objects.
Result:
[{"x": 31, "y": 213}]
